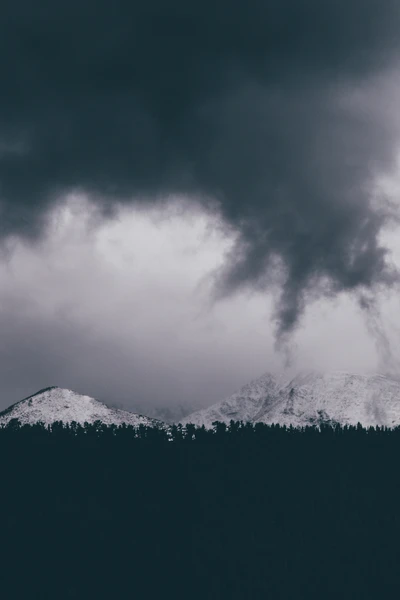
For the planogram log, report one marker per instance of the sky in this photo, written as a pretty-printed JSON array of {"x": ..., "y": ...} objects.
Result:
[{"x": 194, "y": 194}]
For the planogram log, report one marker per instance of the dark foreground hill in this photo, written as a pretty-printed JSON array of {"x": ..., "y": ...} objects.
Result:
[{"x": 234, "y": 513}]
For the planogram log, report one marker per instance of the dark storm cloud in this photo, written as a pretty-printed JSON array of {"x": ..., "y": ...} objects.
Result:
[{"x": 242, "y": 102}]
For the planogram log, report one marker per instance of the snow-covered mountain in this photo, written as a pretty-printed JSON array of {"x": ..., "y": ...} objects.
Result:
[
  {"x": 310, "y": 398},
  {"x": 56, "y": 404}
]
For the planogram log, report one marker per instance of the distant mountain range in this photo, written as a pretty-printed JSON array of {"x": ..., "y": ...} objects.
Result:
[
  {"x": 56, "y": 404},
  {"x": 310, "y": 398},
  {"x": 169, "y": 413}
]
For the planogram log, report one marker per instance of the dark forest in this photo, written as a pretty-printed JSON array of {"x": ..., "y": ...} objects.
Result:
[{"x": 236, "y": 512}]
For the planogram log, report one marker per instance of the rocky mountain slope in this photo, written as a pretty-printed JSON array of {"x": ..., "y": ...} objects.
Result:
[
  {"x": 310, "y": 398},
  {"x": 56, "y": 404}
]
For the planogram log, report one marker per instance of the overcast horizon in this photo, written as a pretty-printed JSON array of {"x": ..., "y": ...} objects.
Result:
[{"x": 194, "y": 195}]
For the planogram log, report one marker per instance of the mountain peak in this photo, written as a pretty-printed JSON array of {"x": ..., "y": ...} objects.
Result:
[{"x": 53, "y": 403}]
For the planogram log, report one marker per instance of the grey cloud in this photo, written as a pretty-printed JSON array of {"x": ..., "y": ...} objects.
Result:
[
  {"x": 133, "y": 360},
  {"x": 242, "y": 102}
]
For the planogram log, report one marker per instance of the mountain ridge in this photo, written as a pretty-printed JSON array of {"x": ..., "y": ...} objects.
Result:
[{"x": 310, "y": 398}]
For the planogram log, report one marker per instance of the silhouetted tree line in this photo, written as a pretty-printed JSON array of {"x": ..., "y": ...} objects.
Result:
[{"x": 236, "y": 512}]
